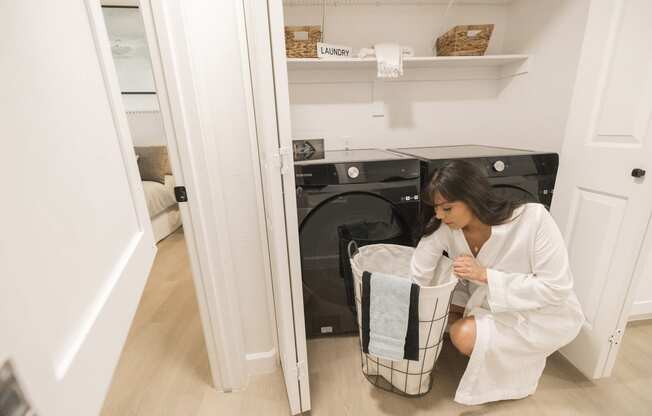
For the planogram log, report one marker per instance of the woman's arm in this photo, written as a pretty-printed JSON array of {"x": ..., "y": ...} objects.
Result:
[
  {"x": 550, "y": 283},
  {"x": 426, "y": 256}
]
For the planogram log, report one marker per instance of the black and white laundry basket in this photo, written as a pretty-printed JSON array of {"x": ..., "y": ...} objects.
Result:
[{"x": 405, "y": 377}]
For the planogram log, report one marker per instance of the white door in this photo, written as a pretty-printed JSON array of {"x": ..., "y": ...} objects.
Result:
[
  {"x": 272, "y": 118},
  {"x": 601, "y": 207},
  {"x": 76, "y": 244}
]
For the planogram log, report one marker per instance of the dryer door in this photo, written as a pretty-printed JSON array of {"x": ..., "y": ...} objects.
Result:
[
  {"x": 327, "y": 302},
  {"x": 515, "y": 193},
  {"x": 519, "y": 188}
]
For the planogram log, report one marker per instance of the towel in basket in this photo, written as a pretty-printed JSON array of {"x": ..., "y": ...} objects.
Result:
[{"x": 412, "y": 378}]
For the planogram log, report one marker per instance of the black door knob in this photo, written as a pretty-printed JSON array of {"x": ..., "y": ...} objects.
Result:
[{"x": 638, "y": 173}]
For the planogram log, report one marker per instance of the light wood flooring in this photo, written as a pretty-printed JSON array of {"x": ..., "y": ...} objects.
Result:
[{"x": 164, "y": 369}]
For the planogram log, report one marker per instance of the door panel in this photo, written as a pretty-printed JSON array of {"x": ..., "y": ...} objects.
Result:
[
  {"x": 77, "y": 245},
  {"x": 624, "y": 110},
  {"x": 289, "y": 222},
  {"x": 265, "y": 39},
  {"x": 588, "y": 209},
  {"x": 600, "y": 207}
]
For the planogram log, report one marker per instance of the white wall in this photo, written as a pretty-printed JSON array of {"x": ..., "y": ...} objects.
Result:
[
  {"x": 134, "y": 70},
  {"x": 410, "y": 25},
  {"x": 642, "y": 307},
  {"x": 129, "y": 48},
  {"x": 146, "y": 128},
  {"x": 535, "y": 106},
  {"x": 145, "y": 121},
  {"x": 528, "y": 111},
  {"x": 215, "y": 54}
]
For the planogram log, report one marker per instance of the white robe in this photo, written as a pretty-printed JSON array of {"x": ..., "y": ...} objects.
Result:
[{"x": 525, "y": 312}]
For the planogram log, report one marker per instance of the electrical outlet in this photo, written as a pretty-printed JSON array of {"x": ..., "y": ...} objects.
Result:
[{"x": 377, "y": 109}]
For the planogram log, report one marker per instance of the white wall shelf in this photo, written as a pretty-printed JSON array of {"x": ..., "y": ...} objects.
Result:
[
  {"x": 388, "y": 2},
  {"x": 308, "y": 70},
  {"x": 410, "y": 62}
]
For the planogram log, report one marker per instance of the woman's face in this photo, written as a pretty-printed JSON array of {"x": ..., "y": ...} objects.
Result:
[{"x": 455, "y": 214}]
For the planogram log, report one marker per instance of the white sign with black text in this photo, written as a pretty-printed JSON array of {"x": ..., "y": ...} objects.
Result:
[{"x": 327, "y": 50}]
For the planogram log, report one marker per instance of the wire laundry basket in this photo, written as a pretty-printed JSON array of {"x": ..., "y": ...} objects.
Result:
[{"x": 404, "y": 377}]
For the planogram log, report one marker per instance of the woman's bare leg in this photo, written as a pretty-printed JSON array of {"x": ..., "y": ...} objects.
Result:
[{"x": 463, "y": 334}]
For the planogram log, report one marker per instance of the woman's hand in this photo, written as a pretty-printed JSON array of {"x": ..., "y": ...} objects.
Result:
[{"x": 467, "y": 267}]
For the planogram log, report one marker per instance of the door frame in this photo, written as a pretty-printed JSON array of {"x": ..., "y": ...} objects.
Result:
[
  {"x": 209, "y": 248},
  {"x": 264, "y": 66},
  {"x": 216, "y": 297}
]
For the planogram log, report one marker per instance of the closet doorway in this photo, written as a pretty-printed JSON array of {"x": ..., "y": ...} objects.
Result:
[{"x": 165, "y": 351}]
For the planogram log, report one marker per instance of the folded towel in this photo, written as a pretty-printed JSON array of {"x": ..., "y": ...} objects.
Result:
[
  {"x": 390, "y": 60},
  {"x": 390, "y": 317}
]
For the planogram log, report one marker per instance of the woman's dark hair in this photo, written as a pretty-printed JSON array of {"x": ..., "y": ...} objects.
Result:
[{"x": 459, "y": 180}]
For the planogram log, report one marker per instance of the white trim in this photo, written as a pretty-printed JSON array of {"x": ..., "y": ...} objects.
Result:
[
  {"x": 641, "y": 310},
  {"x": 288, "y": 207},
  {"x": 266, "y": 117},
  {"x": 203, "y": 215},
  {"x": 247, "y": 69},
  {"x": 262, "y": 362},
  {"x": 110, "y": 77}
]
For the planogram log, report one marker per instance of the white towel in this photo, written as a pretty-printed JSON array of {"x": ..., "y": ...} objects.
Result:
[
  {"x": 389, "y": 311},
  {"x": 390, "y": 60}
]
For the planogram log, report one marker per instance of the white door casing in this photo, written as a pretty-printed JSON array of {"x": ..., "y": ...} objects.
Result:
[
  {"x": 602, "y": 210},
  {"x": 193, "y": 130},
  {"x": 77, "y": 244},
  {"x": 265, "y": 36},
  {"x": 279, "y": 61},
  {"x": 177, "y": 134}
]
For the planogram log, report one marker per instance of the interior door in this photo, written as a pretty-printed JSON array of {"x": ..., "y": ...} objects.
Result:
[
  {"x": 77, "y": 245},
  {"x": 266, "y": 43},
  {"x": 602, "y": 205}
]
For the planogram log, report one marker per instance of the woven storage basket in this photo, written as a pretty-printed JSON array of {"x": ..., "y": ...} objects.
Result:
[
  {"x": 471, "y": 40},
  {"x": 295, "y": 47}
]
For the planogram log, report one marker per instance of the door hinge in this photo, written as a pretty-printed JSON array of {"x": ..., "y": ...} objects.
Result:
[
  {"x": 302, "y": 371},
  {"x": 283, "y": 159},
  {"x": 616, "y": 337},
  {"x": 180, "y": 194}
]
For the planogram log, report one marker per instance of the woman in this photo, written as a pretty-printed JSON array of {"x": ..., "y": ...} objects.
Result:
[{"x": 516, "y": 285}]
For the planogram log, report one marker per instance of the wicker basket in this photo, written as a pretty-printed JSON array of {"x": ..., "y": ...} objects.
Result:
[
  {"x": 301, "y": 41},
  {"x": 471, "y": 40}
]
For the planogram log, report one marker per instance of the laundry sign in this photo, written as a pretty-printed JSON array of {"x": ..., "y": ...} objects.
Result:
[{"x": 327, "y": 50}]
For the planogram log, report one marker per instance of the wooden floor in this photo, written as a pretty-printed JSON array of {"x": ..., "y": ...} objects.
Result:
[{"x": 164, "y": 370}]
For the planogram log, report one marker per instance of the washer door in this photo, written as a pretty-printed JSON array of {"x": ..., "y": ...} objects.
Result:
[
  {"x": 327, "y": 307},
  {"x": 515, "y": 193}
]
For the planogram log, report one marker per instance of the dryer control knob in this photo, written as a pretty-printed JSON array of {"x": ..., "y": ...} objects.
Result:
[
  {"x": 353, "y": 172},
  {"x": 499, "y": 166}
]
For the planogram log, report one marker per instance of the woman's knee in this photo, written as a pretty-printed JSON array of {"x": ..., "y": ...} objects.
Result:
[{"x": 462, "y": 334}]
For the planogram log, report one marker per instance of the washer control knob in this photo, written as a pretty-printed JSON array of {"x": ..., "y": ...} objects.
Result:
[
  {"x": 499, "y": 166},
  {"x": 353, "y": 172}
]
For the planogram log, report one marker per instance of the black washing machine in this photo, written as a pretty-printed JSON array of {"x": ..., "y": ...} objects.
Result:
[
  {"x": 525, "y": 175},
  {"x": 373, "y": 192}
]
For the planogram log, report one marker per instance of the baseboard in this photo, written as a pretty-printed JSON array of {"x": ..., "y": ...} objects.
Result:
[
  {"x": 641, "y": 310},
  {"x": 262, "y": 362}
]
